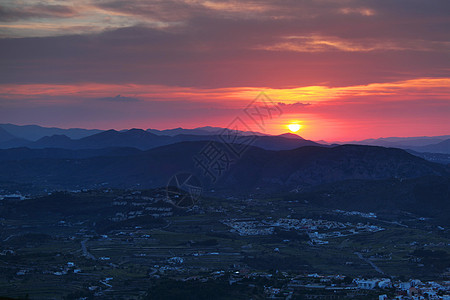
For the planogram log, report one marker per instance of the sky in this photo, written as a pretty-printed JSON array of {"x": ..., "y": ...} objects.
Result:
[{"x": 344, "y": 70}]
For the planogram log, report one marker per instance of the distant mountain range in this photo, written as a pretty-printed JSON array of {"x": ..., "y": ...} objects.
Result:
[
  {"x": 145, "y": 140},
  {"x": 433, "y": 144},
  {"x": 35, "y": 132},
  {"x": 37, "y": 137},
  {"x": 257, "y": 169},
  {"x": 441, "y": 147},
  {"x": 206, "y": 130},
  {"x": 396, "y": 142}
]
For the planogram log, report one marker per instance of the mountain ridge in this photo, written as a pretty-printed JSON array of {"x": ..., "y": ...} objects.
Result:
[
  {"x": 145, "y": 140},
  {"x": 257, "y": 168}
]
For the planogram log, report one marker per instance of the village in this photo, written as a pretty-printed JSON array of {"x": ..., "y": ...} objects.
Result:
[
  {"x": 317, "y": 230},
  {"x": 292, "y": 250}
]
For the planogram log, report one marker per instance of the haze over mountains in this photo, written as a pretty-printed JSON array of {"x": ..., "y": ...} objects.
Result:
[
  {"x": 35, "y": 132},
  {"x": 33, "y": 136},
  {"x": 138, "y": 138},
  {"x": 436, "y": 144}
]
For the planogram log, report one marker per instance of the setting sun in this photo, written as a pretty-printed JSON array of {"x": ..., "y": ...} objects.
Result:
[{"x": 294, "y": 127}]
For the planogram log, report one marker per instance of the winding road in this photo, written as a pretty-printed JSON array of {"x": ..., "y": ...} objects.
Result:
[
  {"x": 85, "y": 251},
  {"x": 370, "y": 263}
]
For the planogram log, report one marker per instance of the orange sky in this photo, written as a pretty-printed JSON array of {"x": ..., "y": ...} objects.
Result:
[
  {"x": 330, "y": 113},
  {"x": 343, "y": 70}
]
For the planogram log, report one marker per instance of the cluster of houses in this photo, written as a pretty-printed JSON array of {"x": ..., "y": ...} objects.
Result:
[
  {"x": 413, "y": 289},
  {"x": 417, "y": 290},
  {"x": 136, "y": 205},
  {"x": 245, "y": 228},
  {"x": 13, "y": 197},
  {"x": 369, "y": 215},
  {"x": 317, "y": 230},
  {"x": 315, "y": 286},
  {"x": 70, "y": 267},
  {"x": 408, "y": 290}
]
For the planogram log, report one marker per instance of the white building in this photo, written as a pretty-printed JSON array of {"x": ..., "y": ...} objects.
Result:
[
  {"x": 404, "y": 286},
  {"x": 366, "y": 284},
  {"x": 385, "y": 283}
]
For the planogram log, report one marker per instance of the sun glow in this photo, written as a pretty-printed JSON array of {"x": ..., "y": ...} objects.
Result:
[{"x": 294, "y": 127}]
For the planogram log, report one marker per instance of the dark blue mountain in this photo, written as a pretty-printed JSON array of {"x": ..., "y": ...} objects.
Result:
[
  {"x": 257, "y": 168},
  {"x": 35, "y": 132},
  {"x": 145, "y": 140}
]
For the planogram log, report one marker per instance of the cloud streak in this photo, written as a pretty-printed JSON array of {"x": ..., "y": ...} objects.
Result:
[
  {"x": 13, "y": 13},
  {"x": 323, "y": 44}
]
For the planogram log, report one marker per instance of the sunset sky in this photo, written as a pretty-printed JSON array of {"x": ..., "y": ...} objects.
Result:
[{"x": 344, "y": 70}]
